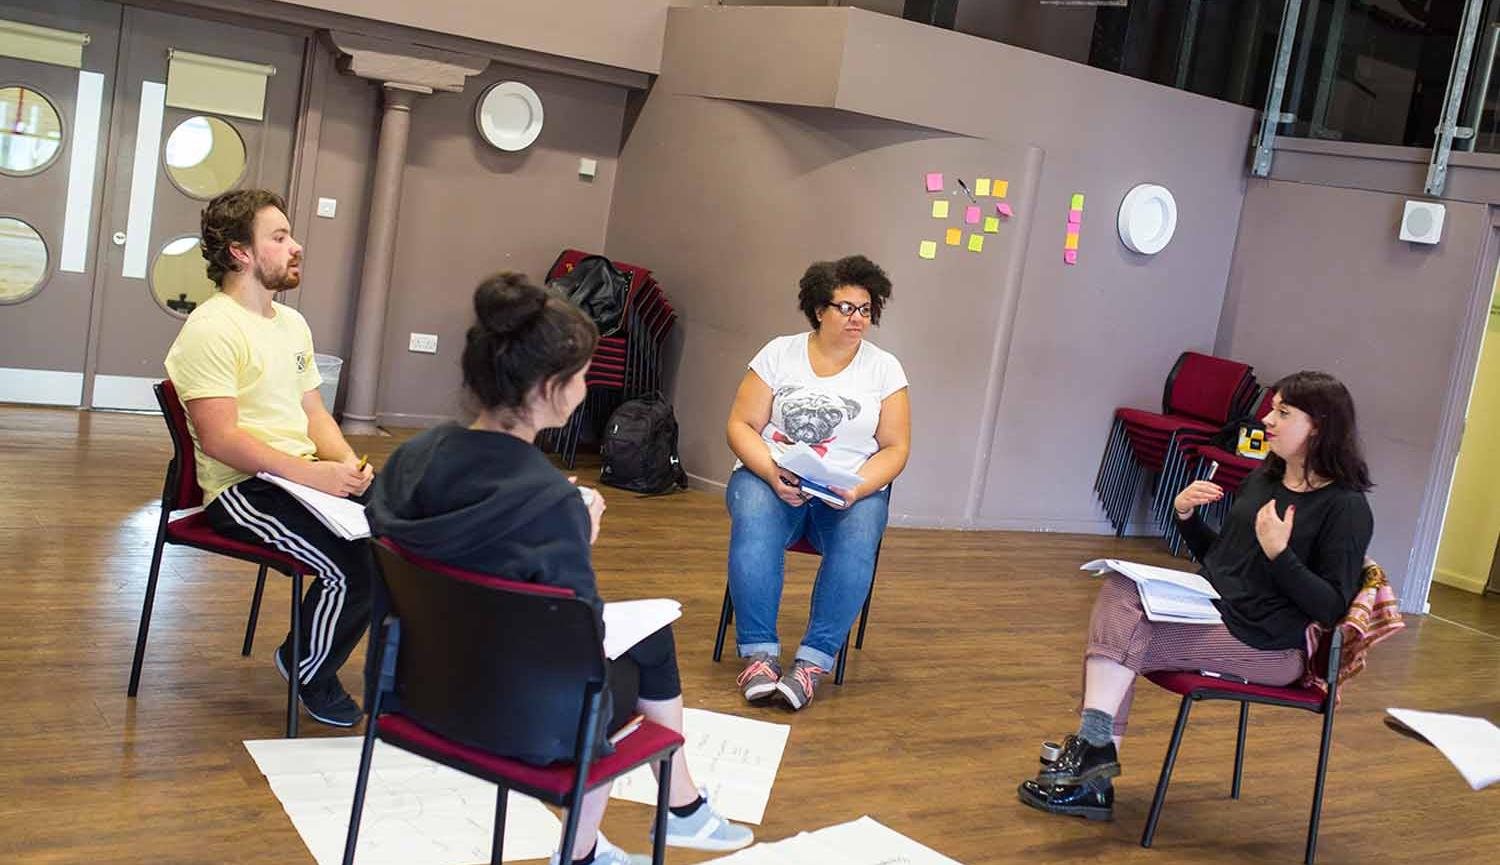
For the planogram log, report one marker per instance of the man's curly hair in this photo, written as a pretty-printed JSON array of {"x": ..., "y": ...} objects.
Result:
[
  {"x": 822, "y": 277},
  {"x": 230, "y": 218}
]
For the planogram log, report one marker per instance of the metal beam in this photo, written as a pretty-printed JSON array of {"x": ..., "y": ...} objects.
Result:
[
  {"x": 1448, "y": 128},
  {"x": 1271, "y": 116}
]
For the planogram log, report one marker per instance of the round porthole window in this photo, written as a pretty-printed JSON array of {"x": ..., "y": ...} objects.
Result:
[
  {"x": 205, "y": 156},
  {"x": 31, "y": 133},
  {"x": 23, "y": 260},
  {"x": 179, "y": 277}
]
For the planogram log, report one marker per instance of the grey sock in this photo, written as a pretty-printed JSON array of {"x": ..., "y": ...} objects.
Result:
[{"x": 1097, "y": 728}]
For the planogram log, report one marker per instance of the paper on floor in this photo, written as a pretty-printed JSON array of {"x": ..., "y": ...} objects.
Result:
[
  {"x": 416, "y": 812},
  {"x": 735, "y": 758},
  {"x": 859, "y": 842},
  {"x": 1471, "y": 744}
]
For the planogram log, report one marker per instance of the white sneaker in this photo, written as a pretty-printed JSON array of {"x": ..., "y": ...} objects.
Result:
[
  {"x": 608, "y": 854},
  {"x": 705, "y": 829}
]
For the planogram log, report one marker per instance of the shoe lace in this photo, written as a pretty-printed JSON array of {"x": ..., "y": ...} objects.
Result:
[
  {"x": 807, "y": 676},
  {"x": 757, "y": 668}
]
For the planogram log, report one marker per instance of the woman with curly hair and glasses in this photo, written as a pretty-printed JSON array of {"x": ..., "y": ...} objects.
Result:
[{"x": 836, "y": 392}]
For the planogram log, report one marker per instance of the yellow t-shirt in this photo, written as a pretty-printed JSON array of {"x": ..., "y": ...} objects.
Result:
[{"x": 265, "y": 364}]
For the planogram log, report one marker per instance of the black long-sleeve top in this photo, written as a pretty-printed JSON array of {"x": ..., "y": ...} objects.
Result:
[{"x": 1268, "y": 603}]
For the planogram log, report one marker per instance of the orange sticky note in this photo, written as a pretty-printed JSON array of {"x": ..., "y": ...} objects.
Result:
[
  {"x": 1071, "y": 242},
  {"x": 955, "y": 236},
  {"x": 976, "y": 243},
  {"x": 999, "y": 188}
]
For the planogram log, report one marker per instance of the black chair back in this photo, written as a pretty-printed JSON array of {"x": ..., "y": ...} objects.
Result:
[{"x": 500, "y": 665}]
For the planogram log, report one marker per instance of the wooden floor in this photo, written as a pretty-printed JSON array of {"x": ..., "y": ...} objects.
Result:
[{"x": 972, "y": 659}]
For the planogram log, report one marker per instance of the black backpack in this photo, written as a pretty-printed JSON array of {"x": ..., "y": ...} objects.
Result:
[{"x": 640, "y": 447}]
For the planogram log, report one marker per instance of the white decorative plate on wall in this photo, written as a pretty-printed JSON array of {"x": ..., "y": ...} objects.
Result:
[
  {"x": 1148, "y": 218},
  {"x": 509, "y": 115}
]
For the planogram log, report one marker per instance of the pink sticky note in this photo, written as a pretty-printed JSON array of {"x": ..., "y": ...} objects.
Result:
[
  {"x": 1004, "y": 209},
  {"x": 935, "y": 182},
  {"x": 1075, "y": 217},
  {"x": 971, "y": 214},
  {"x": 1070, "y": 256}
]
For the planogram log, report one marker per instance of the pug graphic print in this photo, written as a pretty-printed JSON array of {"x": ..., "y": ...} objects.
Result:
[{"x": 835, "y": 415}]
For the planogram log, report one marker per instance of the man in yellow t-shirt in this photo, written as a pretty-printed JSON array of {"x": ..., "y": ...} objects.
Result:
[{"x": 243, "y": 368}]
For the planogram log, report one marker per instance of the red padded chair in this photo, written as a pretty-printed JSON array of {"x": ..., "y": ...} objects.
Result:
[
  {"x": 469, "y": 665},
  {"x": 1194, "y": 687},
  {"x": 181, "y": 491},
  {"x": 1200, "y": 395},
  {"x": 802, "y": 545}
]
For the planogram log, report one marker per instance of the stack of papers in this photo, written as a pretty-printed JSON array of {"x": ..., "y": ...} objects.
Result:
[
  {"x": 628, "y": 622},
  {"x": 343, "y": 517},
  {"x": 1471, "y": 744},
  {"x": 1166, "y": 595},
  {"x": 818, "y": 477}
]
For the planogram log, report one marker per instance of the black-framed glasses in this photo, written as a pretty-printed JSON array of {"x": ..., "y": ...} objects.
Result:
[{"x": 847, "y": 309}]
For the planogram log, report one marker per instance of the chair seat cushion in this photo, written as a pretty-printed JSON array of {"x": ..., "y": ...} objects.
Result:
[
  {"x": 194, "y": 530},
  {"x": 1161, "y": 422},
  {"x": 1179, "y": 682},
  {"x": 648, "y": 741},
  {"x": 803, "y": 545}
]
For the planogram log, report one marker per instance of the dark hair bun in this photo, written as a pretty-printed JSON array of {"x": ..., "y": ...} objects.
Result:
[{"x": 507, "y": 305}]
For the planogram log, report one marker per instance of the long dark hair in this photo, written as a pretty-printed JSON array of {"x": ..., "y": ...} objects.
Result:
[
  {"x": 523, "y": 336},
  {"x": 1333, "y": 451}
]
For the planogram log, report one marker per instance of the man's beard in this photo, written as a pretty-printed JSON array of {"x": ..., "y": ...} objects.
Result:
[{"x": 282, "y": 280}]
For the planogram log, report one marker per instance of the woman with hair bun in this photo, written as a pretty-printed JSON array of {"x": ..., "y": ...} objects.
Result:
[{"x": 484, "y": 499}]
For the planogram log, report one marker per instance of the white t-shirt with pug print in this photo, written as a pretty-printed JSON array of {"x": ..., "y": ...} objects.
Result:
[{"x": 834, "y": 415}]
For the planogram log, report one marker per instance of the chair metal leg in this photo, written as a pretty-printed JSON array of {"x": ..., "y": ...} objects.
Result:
[
  {"x": 1166, "y": 773},
  {"x": 1239, "y": 751},
  {"x": 663, "y": 799},
  {"x": 260, "y": 586},
  {"x": 497, "y": 847},
  {"x": 838, "y": 673},
  {"x": 1317, "y": 804},
  {"x": 294, "y": 677},
  {"x": 140, "y": 636},
  {"x": 361, "y": 782},
  {"x": 726, "y": 615},
  {"x": 864, "y": 615}
]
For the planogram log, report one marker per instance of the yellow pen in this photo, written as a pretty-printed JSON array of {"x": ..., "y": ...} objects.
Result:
[{"x": 363, "y": 461}]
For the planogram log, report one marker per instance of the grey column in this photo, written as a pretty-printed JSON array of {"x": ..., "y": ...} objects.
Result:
[{"x": 375, "y": 276}]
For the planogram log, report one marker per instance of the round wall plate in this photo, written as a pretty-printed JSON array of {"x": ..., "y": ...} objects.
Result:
[
  {"x": 509, "y": 115},
  {"x": 1148, "y": 218}
]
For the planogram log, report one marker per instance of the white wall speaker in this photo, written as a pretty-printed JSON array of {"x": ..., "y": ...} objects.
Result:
[{"x": 1422, "y": 222}]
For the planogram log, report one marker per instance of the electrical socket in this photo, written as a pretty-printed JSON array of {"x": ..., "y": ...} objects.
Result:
[{"x": 425, "y": 343}]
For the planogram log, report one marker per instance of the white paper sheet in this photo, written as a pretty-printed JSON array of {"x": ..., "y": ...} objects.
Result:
[
  {"x": 628, "y": 622},
  {"x": 416, "y": 812},
  {"x": 804, "y": 462},
  {"x": 1166, "y": 595},
  {"x": 859, "y": 842},
  {"x": 735, "y": 758},
  {"x": 343, "y": 517},
  {"x": 1471, "y": 744}
]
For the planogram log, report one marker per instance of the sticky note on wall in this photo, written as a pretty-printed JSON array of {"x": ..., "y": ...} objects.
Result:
[
  {"x": 935, "y": 182},
  {"x": 971, "y": 214},
  {"x": 955, "y": 236},
  {"x": 976, "y": 243},
  {"x": 940, "y": 209},
  {"x": 928, "y": 249},
  {"x": 1071, "y": 242},
  {"x": 1000, "y": 188},
  {"x": 1077, "y": 201},
  {"x": 982, "y": 186},
  {"x": 991, "y": 224}
]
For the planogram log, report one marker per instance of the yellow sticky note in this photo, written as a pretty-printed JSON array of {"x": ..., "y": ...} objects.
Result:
[
  {"x": 928, "y": 249},
  {"x": 1077, "y": 201},
  {"x": 1000, "y": 188},
  {"x": 940, "y": 209},
  {"x": 976, "y": 243},
  {"x": 955, "y": 236},
  {"x": 1071, "y": 242},
  {"x": 982, "y": 186},
  {"x": 991, "y": 225}
]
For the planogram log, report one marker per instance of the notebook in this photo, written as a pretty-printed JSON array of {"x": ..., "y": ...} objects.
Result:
[
  {"x": 1166, "y": 595},
  {"x": 343, "y": 517},
  {"x": 818, "y": 477}
]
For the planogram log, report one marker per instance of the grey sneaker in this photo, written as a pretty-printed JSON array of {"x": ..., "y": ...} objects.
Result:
[
  {"x": 705, "y": 829},
  {"x": 759, "y": 678},
  {"x": 608, "y": 854},
  {"x": 798, "y": 686}
]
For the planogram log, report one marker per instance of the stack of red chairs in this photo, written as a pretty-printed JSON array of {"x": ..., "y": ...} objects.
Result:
[
  {"x": 1201, "y": 395},
  {"x": 1193, "y": 462},
  {"x": 626, "y": 364}
]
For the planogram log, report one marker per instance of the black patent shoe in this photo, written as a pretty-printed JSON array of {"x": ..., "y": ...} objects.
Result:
[
  {"x": 1080, "y": 763},
  {"x": 1093, "y": 801}
]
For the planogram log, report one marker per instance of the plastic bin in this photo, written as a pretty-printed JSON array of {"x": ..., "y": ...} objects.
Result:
[{"x": 329, "y": 368}]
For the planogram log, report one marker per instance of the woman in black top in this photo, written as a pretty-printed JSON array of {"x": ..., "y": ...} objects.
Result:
[
  {"x": 1291, "y": 552},
  {"x": 484, "y": 499}
]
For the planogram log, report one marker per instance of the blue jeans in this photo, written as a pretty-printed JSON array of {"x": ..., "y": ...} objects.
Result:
[{"x": 762, "y": 526}]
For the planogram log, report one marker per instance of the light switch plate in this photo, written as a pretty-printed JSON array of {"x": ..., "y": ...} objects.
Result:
[
  {"x": 425, "y": 343},
  {"x": 328, "y": 208},
  {"x": 587, "y": 167}
]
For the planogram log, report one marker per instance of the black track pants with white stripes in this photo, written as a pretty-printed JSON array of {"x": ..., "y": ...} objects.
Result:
[{"x": 336, "y": 609}]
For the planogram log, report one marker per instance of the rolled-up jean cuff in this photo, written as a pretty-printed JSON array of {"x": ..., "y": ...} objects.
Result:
[
  {"x": 822, "y": 659},
  {"x": 745, "y": 650}
]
